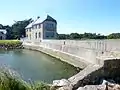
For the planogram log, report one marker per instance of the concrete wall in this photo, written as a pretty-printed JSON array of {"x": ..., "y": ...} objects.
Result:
[
  {"x": 89, "y": 51},
  {"x": 102, "y": 45},
  {"x": 98, "y": 47},
  {"x": 99, "y": 58},
  {"x": 71, "y": 59}
]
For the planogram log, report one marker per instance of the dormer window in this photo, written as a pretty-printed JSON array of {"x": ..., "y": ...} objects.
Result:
[{"x": 39, "y": 25}]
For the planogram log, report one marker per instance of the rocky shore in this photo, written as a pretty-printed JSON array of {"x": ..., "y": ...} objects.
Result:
[{"x": 105, "y": 85}]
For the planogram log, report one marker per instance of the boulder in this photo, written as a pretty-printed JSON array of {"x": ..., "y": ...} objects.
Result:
[
  {"x": 62, "y": 82},
  {"x": 108, "y": 83},
  {"x": 65, "y": 88},
  {"x": 92, "y": 87}
]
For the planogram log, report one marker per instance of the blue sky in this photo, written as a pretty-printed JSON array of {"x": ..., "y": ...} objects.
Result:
[{"x": 95, "y": 16}]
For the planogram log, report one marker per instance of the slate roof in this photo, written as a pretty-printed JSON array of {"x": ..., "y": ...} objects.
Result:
[
  {"x": 41, "y": 20},
  {"x": 31, "y": 24}
]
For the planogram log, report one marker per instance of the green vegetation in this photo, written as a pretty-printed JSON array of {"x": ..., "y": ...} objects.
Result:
[
  {"x": 17, "y": 30},
  {"x": 10, "y": 80},
  {"x": 78, "y": 36},
  {"x": 10, "y": 44}
]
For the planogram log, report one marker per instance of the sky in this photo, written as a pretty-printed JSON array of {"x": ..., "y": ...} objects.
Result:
[{"x": 94, "y": 16}]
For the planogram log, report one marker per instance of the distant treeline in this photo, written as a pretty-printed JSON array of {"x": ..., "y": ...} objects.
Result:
[
  {"x": 17, "y": 30},
  {"x": 81, "y": 36},
  {"x": 88, "y": 36}
]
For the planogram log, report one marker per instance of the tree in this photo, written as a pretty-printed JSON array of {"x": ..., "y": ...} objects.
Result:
[
  {"x": 114, "y": 36},
  {"x": 63, "y": 36},
  {"x": 81, "y": 36},
  {"x": 9, "y": 32},
  {"x": 1, "y": 26},
  {"x": 18, "y": 28},
  {"x": 75, "y": 36}
]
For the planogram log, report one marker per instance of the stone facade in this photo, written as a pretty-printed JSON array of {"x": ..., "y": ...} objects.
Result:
[{"x": 42, "y": 29}]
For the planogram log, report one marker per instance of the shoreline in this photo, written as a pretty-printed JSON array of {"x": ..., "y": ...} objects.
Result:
[
  {"x": 10, "y": 44},
  {"x": 91, "y": 73}
]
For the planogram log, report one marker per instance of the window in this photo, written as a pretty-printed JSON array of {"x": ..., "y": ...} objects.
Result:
[
  {"x": 39, "y": 35},
  {"x": 36, "y": 35},
  {"x": 34, "y": 27},
  {"x": 39, "y": 25},
  {"x": 49, "y": 34},
  {"x": 30, "y": 30},
  {"x": 26, "y": 35},
  {"x": 49, "y": 26},
  {"x": 30, "y": 36}
]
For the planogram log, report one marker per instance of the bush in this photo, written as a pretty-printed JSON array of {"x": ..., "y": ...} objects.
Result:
[
  {"x": 10, "y": 44},
  {"x": 10, "y": 80}
]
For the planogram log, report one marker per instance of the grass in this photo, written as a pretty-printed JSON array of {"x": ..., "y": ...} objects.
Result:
[
  {"x": 10, "y": 80},
  {"x": 10, "y": 43}
]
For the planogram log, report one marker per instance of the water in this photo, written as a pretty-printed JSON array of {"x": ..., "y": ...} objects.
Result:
[{"x": 36, "y": 65}]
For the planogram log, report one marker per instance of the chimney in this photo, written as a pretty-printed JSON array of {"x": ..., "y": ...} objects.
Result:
[{"x": 38, "y": 17}]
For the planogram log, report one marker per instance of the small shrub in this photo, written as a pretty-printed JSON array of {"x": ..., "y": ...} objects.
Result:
[{"x": 10, "y": 80}]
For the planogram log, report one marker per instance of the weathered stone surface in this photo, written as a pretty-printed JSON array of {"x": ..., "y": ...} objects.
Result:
[
  {"x": 65, "y": 88},
  {"x": 92, "y": 87},
  {"x": 62, "y": 82},
  {"x": 108, "y": 83},
  {"x": 110, "y": 86}
]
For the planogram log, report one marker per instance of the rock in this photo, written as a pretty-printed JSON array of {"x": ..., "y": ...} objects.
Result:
[
  {"x": 81, "y": 88},
  {"x": 108, "y": 83},
  {"x": 62, "y": 82},
  {"x": 111, "y": 80},
  {"x": 92, "y": 87},
  {"x": 104, "y": 82},
  {"x": 116, "y": 87},
  {"x": 65, "y": 88}
]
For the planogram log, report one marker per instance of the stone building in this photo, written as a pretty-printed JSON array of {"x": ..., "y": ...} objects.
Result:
[
  {"x": 41, "y": 29},
  {"x": 3, "y": 34}
]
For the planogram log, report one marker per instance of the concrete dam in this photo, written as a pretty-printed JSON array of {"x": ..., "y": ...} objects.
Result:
[{"x": 97, "y": 58}]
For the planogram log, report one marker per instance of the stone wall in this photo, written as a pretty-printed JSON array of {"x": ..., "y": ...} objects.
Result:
[
  {"x": 99, "y": 58},
  {"x": 95, "y": 74},
  {"x": 90, "y": 51},
  {"x": 69, "y": 58}
]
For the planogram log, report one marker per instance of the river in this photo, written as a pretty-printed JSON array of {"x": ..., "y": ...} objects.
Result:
[{"x": 35, "y": 65}]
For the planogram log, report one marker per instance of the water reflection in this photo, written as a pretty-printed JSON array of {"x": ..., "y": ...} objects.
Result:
[{"x": 36, "y": 65}]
